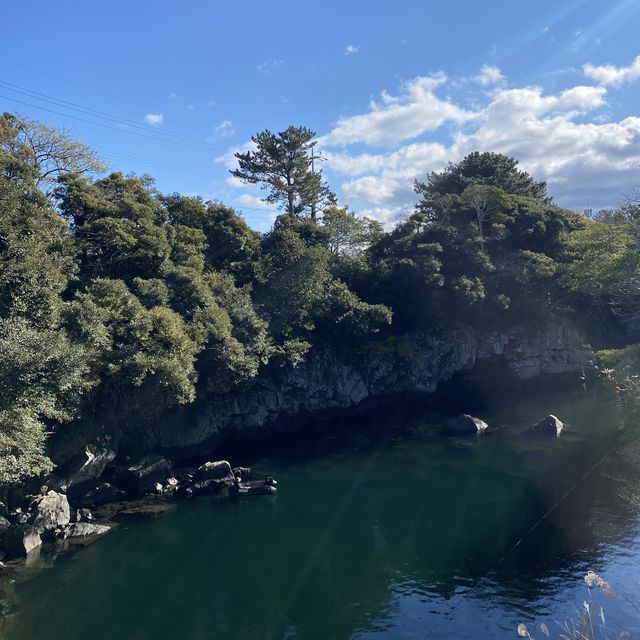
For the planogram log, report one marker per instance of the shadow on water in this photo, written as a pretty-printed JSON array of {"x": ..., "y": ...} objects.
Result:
[{"x": 385, "y": 527}]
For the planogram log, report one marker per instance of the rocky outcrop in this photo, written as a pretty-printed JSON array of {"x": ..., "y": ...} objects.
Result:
[
  {"x": 143, "y": 475},
  {"x": 52, "y": 512},
  {"x": 20, "y": 540},
  {"x": 89, "y": 466},
  {"x": 213, "y": 471},
  {"x": 85, "y": 530},
  {"x": 412, "y": 363},
  {"x": 466, "y": 424},
  {"x": 101, "y": 494},
  {"x": 550, "y": 426}
]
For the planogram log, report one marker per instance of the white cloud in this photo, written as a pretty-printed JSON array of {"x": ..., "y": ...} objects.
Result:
[
  {"x": 211, "y": 103},
  {"x": 224, "y": 129},
  {"x": 610, "y": 75},
  {"x": 269, "y": 67},
  {"x": 396, "y": 118},
  {"x": 234, "y": 182},
  {"x": 251, "y": 201},
  {"x": 350, "y": 49},
  {"x": 173, "y": 96},
  {"x": 154, "y": 119},
  {"x": 489, "y": 75},
  {"x": 565, "y": 138}
]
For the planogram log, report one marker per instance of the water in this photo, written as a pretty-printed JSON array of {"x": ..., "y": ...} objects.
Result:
[{"x": 397, "y": 535}]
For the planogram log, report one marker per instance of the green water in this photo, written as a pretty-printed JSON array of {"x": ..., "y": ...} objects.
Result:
[{"x": 408, "y": 534}]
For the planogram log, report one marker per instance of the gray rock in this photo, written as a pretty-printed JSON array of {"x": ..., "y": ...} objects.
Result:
[
  {"x": 85, "y": 530},
  {"x": 104, "y": 493},
  {"x": 213, "y": 471},
  {"x": 551, "y": 425},
  {"x": 52, "y": 512},
  {"x": 4, "y": 524},
  {"x": 83, "y": 515},
  {"x": 414, "y": 362},
  {"x": 465, "y": 423},
  {"x": 20, "y": 541},
  {"x": 143, "y": 475},
  {"x": 208, "y": 487},
  {"x": 89, "y": 466}
]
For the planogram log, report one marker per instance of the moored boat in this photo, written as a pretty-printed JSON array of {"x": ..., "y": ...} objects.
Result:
[{"x": 254, "y": 488}]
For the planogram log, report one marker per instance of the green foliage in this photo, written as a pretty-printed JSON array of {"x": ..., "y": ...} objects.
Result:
[
  {"x": 49, "y": 152},
  {"x": 122, "y": 297},
  {"x": 282, "y": 164},
  {"x": 606, "y": 257},
  {"x": 347, "y": 234},
  {"x": 489, "y": 169}
]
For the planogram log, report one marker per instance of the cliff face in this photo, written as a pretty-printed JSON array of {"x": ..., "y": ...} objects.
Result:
[{"x": 416, "y": 362}]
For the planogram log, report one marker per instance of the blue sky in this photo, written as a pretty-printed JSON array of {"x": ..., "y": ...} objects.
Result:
[{"x": 394, "y": 89}]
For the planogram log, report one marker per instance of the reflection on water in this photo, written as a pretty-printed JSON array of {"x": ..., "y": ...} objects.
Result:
[{"x": 416, "y": 536}]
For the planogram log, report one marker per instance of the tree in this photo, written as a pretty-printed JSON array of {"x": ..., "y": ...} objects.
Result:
[
  {"x": 283, "y": 164},
  {"x": 49, "y": 150},
  {"x": 485, "y": 202},
  {"x": 489, "y": 169},
  {"x": 348, "y": 234}
]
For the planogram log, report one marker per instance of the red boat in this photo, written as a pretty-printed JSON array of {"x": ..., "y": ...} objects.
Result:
[{"x": 255, "y": 488}]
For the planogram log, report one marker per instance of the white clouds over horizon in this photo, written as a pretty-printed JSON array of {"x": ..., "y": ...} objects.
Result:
[
  {"x": 394, "y": 119},
  {"x": 562, "y": 137},
  {"x": 565, "y": 137}
]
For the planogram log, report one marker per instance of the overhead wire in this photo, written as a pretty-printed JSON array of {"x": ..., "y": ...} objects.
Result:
[{"x": 37, "y": 95}]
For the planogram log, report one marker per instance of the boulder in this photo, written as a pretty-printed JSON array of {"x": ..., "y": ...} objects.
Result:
[
  {"x": 85, "y": 530},
  {"x": 241, "y": 472},
  {"x": 466, "y": 424},
  {"x": 20, "y": 541},
  {"x": 207, "y": 487},
  {"x": 4, "y": 524},
  {"x": 83, "y": 515},
  {"x": 89, "y": 466},
  {"x": 551, "y": 425},
  {"x": 213, "y": 471},
  {"x": 104, "y": 493},
  {"x": 52, "y": 512},
  {"x": 144, "y": 474}
]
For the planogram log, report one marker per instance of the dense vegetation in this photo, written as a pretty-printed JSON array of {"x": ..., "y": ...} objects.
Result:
[{"x": 112, "y": 293}]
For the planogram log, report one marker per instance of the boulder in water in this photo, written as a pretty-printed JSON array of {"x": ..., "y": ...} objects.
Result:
[
  {"x": 52, "y": 512},
  {"x": 466, "y": 424},
  {"x": 551, "y": 425},
  {"x": 89, "y": 466},
  {"x": 213, "y": 471},
  {"x": 85, "y": 530},
  {"x": 144, "y": 474},
  {"x": 20, "y": 541},
  {"x": 104, "y": 493}
]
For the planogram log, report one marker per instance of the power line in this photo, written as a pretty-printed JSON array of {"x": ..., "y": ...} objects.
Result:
[
  {"x": 37, "y": 95},
  {"x": 106, "y": 126}
]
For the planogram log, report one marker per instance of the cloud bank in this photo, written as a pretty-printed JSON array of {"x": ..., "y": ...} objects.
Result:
[{"x": 565, "y": 138}]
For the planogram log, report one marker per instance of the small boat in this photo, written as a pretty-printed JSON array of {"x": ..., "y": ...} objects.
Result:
[{"x": 255, "y": 488}]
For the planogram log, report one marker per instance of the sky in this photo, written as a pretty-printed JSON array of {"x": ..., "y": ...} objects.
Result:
[{"x": 393, "y": 90}]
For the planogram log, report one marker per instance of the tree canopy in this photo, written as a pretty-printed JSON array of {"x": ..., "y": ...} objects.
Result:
[
  {"x": 282, "y": 163},
  {"x": 116, "y": 296}
]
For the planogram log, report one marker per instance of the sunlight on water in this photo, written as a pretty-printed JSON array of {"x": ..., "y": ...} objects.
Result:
[{"x": 418, "y": 535}]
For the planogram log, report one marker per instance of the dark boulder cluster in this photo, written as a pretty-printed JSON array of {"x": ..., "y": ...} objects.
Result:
[
  {"x": 62, "y": 511},
  {"x": 46, "y": 517}
]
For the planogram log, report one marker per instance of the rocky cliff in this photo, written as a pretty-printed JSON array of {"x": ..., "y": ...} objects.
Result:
[{"x": 413, "y": 363}]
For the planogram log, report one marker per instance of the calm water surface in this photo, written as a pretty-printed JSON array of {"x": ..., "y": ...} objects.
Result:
[{"x": 418, "y": 535}]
